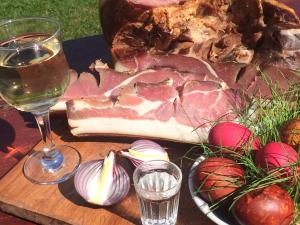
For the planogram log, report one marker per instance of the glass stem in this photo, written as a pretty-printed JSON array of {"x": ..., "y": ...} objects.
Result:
[
  {"x": 52, "y": 159},
  {"x": 43, "y": 121}
]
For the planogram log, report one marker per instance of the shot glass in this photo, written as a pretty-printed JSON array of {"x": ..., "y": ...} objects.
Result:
[{"x": 157, "y": 184}]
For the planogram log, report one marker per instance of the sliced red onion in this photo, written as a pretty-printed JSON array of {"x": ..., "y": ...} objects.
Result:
[
  {"x": 102, "y": 182},
  {"x": 145, "y": 150}
]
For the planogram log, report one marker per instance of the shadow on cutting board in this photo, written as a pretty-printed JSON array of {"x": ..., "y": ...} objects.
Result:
[{"x": 7, "y": 135}]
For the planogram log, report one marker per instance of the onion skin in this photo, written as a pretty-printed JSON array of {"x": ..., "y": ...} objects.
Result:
[
  {"x": 276, "y": 155},
  {"x": 145, "y": 145},
  {"x": 268, "y": 206},
  {"x": 234, "y": 137},
  {"x": 290, "y": 133},
  {"x": 218, "y": 177}
]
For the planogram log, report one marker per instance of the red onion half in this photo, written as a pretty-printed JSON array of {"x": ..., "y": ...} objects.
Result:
[
  {"x": 145, "y": 150},
  {"x": 102, "y": 182}
]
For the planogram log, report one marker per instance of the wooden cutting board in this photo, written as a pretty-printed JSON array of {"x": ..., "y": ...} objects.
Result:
[{"x": 60, "y": 204}]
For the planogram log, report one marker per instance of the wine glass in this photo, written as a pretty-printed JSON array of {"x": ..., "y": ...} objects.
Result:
[{"x": 33, "y": 75}]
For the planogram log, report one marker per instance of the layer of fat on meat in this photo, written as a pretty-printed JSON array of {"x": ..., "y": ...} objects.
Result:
[
  {"x": 59, "y": 106},
  {"x": 170, "y": 130},
  {"x": 126, "y": 82},
  {"x": 141, "y": 108}
]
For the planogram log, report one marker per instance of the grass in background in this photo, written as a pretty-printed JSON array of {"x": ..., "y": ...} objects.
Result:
[{"x": 79, "y": 18}]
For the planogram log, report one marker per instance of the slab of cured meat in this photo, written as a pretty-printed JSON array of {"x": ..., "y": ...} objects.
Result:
[
  {"x": 170, "y": 97},
  {"x": 165, "y": 103}
]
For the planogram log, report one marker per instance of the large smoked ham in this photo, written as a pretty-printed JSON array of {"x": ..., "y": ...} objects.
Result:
[
  {"x": 241, "y": 31},
  {"x": 182, "y": 65}
]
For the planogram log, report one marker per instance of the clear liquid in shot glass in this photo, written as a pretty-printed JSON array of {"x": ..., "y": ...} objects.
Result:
[{"x": 159, "y": 200}]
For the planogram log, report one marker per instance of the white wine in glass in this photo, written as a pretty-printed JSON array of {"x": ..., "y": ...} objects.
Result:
[{"x": 33, "y": 75}]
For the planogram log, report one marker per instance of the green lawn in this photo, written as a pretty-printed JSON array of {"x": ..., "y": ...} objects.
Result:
[{"x": 79, "y": 18}]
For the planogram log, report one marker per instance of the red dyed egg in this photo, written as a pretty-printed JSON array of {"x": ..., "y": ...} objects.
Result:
[
  {"x": 218, "y": 177},
  {"x": 275, "y": 155},
  {"x": 271, "y": 205},
  {"x": 233, "y": 136}
]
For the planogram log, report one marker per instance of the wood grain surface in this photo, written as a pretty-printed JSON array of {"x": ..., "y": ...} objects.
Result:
[{"x": 60, "y": 204}]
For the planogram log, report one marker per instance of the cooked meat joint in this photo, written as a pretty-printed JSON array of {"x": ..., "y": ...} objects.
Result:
[{"x": 213, "y": 30}]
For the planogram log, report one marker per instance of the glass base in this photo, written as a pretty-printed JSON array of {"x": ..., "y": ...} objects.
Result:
[{"x": 36, "y": 171}]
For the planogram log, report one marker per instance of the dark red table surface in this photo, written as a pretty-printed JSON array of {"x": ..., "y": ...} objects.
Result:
[
  {"x": 18, "y": 134},
  {"x": 18, "y": 130}
]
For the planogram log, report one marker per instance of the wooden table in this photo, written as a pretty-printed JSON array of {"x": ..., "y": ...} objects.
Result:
[{"x": 60, "y": 204}]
